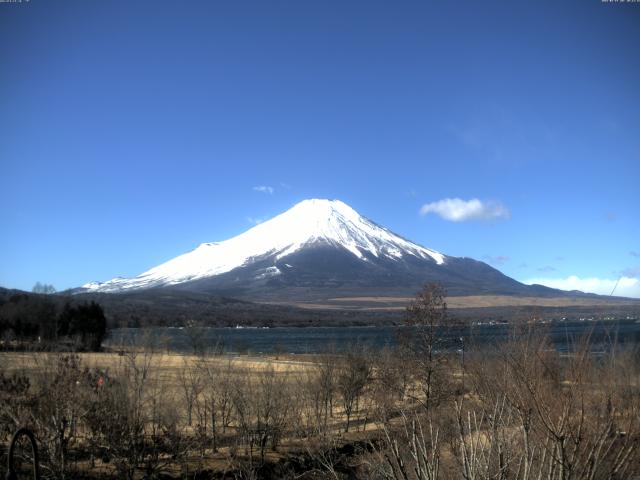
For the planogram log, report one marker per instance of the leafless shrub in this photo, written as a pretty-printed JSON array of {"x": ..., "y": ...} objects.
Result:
[
  {"x": 214, "y": 406},
  {"x": 16, "y": 403},
  {"x": 134, "y": 423},
  {"x": 410, "y": 449},
  {"x": 190, "y": 382},
  {"x": 539, "y": 415},
  {"x": 391, "y": 380},
  {"x": 354, "y": 374},
  {"x": 59, "y": 411},
  {"x": 195, "y": 333},
  {"x": 262, "y": 408},
  {"x": 315, "y": 392}
]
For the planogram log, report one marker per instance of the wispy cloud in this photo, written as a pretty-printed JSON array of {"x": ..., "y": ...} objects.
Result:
[
  {"x": 631, "y": 272},
  {"x": 458, "y": 210},
  {"x": 497, "y": 260},
  {"x": 634, "y": 254},
  {"x": 264, "y": 189},
  {"x": 547, "y": 268},
  {"x": 504, "y": 137},
  {"x": 286, "y": 186},
  {"x": 411, "y": 193},
  {"x": 624, "y": 287},
  {"x": 255, "y": 221}
]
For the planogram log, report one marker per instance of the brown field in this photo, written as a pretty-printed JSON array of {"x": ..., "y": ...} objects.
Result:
[
  {"x": 470, "y": 301},
  {"x": 167, "y": 363}
]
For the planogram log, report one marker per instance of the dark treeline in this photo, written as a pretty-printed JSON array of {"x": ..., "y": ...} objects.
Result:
[
  {"x": 46, "y": 321},
  {"x": 176, "y": 308}
]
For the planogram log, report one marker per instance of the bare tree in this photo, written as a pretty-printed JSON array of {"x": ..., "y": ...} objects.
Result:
[
  {"x": 58, "y": 409},
  {"x": 195, "y": 334},
  {"x": 409, "y": 450},
  {"x": 190, "y": 383},
  {"x": 353, "y": 376},
  {"x": 215, "y": 406},
  {"x": 391, "y": 379},
  {"x": 44, "y": 288},
  {"x": 327, "y": 384},
  {"x": 546, "y": 417},
  {"x": 427, "y": 315}
]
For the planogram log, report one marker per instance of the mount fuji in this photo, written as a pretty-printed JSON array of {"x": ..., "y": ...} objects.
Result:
[{"x": 318, "y": 249}]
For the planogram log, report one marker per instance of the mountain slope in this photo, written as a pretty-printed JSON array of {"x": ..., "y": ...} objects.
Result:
[{"x": 319, "y": 249}]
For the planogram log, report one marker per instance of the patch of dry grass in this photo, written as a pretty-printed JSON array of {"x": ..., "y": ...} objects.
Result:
[{"x": 470, "y": 301}]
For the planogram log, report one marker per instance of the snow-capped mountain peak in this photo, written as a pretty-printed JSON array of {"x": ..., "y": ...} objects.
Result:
[{"x": 310, "y": 222}]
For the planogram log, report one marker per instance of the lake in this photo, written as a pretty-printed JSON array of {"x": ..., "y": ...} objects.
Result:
[{"x": 564, "y": 335}]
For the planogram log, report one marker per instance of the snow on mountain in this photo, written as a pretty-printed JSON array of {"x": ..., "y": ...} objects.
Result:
[{"x": 307, "y": 223}]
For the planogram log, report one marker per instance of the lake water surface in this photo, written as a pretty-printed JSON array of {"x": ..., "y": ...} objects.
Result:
[{"x": 564, "y": 335}]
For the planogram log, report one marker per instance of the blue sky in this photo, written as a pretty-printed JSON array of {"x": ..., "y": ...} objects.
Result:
[{"x": 130, "y": 132}]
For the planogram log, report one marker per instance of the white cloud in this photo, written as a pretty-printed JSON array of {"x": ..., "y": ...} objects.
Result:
[
  {"x": 458, "y": 210},
  {"x": 627, "y": 286},
  {"x": 264, "y": 189}
]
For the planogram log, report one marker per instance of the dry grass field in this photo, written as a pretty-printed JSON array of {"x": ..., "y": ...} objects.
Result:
[
  {"x": 166, "y": 364},
  {"x": 382, "y": 303}
]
